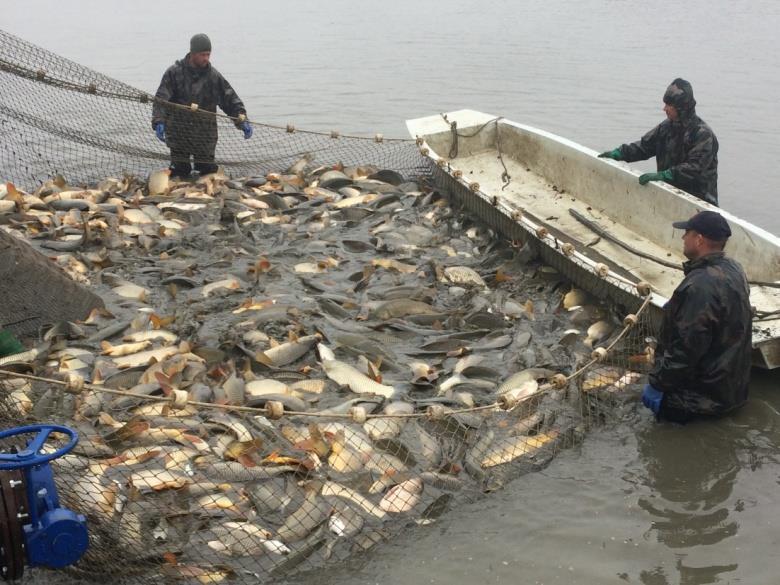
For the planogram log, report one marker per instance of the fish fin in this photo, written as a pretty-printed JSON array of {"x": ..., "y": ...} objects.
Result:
[
  {"x": 373, "y": 370},
  {"x": 14, "y": 195},
  {"x": 160, "y": 322},
  {"x": 143, "y": 456},
  {"x": 262, "y": 358},
  {"x": 165, "y": 383},
  {"x": 194, "y": 439},
  {"x": 502, "y": 276},
  {"x": 246, "y": 460}
]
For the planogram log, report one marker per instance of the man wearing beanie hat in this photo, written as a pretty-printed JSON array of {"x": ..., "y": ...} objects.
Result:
[
  {"x": 191, "y": 131},
  {"x": 702, "y": 361},
  {"x": 684, "y": 146}
]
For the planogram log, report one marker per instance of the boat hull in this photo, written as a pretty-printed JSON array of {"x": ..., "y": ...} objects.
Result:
[{"x": 545, "y": 191}]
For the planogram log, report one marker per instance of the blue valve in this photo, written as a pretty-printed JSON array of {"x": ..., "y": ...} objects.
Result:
[
  {"x": 54, "y": 537},
  {"x": 31, "y": 455}
]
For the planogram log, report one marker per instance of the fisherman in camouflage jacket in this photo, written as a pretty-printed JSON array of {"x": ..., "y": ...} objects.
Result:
[
  {"x": 684, "y": 146},
  {"x": 702, "y": 362},
  {"x": 191, "y": 130}
]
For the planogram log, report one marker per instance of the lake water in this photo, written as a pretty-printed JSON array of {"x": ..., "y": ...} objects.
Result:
[{"x": 637, "y": 502}]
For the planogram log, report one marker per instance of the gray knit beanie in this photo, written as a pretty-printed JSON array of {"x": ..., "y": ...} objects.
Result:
[{"x": 200, "y": 43}]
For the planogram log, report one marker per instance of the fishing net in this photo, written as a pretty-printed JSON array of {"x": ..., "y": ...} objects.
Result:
[
  {"x": 59, "y": 117},
  {"x": 286, "y": 375}
]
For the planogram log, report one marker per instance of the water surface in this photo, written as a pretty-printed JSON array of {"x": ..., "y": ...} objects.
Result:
[{"x": 593, "y": 71}]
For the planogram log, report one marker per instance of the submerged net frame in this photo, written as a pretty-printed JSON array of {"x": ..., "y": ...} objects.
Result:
[{"x": 291, "y": 490}]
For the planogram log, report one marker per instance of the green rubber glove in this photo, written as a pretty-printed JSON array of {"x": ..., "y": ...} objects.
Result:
[
  {"x": 614, "y": 154},
  {"x": 9, "y": 345},
  {"x": 666, "y": 175}
]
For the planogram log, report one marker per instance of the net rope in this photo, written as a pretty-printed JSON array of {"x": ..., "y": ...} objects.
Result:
[{"x": 77, "y": 385}]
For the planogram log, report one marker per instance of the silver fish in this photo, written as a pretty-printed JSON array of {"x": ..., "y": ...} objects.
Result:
[
  {"x": 298, "y": 525},
  {"x": 346, "y": 375},
  {"x": 519, "y": 378},
  {"x": 286, "y": 353},
  {"x": 331, "y": 488}
]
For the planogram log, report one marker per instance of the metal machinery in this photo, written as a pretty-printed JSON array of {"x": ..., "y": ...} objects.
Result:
[{"x": 34, "y": 530}]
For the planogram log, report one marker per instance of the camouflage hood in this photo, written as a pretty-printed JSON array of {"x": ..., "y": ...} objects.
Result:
[{"x": 680, "y": 95}]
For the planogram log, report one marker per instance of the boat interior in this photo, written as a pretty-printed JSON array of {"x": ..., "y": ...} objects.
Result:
[{"x": 594, "y": 203}]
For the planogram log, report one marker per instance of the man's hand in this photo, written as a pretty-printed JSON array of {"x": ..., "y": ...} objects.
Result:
[
  {"x": 666, "y": 175},
  {"x": 652, "y": 398},
  {"x": 614, "y": 154},
  {"x": 159, "y": 129},
  {"x": 247, "y": 128}
]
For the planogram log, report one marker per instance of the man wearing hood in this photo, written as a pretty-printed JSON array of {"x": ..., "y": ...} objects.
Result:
[
  {"x": 702, "y": 362},
  {"x": 185, "y": 106},
  {"x": 684, "y": 146}
]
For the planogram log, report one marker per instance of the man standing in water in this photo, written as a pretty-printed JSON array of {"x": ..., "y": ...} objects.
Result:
[
  {"x": 684, "y": 146},
  {"x": 190, "y": 127},
  {"x": 702, "y": 362}
]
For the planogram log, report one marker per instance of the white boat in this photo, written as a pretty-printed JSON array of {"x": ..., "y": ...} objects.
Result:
[{"x": 589, "y": 217}]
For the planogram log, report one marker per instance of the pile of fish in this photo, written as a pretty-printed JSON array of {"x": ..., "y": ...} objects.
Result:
[{"x": 315, "y": 299}]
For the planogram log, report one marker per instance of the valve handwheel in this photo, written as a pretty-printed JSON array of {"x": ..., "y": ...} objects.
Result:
[{"x": 31, "y": 455}]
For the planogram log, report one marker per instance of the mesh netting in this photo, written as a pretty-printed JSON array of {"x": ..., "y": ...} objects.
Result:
[
  {"x": 246, "y": 453},
  {"x": 57, "y": 116},
  {"x": 293, "y": 368}
]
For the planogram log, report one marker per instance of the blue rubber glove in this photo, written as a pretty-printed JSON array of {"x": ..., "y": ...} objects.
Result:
[
  {"x": 247, "y": 128},
  {"x": 652, "y": 398},
  {"x": 666, "y": 175},
  {"x": 159, "y": 129}
]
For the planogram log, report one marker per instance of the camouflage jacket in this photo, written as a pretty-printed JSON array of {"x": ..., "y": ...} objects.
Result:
[
  {"x": 702, "y": 362},
  {"x": 184, "y": 84},
  {"x": 688, "y": 148}
]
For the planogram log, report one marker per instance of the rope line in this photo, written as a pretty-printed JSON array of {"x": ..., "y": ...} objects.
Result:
[
  {"x": 453, "y": 153},
  {"x": 597, "y": 357},
  {"x": 39, "y": 76}
]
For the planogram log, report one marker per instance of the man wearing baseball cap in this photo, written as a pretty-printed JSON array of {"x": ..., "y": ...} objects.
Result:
[
  {"x": 702, "y": 361},
  {"x": 684, "y": 146},
  {"x": 184, "y": 107}
]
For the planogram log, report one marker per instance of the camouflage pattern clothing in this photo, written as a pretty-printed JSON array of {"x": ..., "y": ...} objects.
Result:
[
  {"x": 702, "y": 362},
  {"x": 688, "y": 148},
  {"x": 193, "y": 132},
  {"x": 685, "y": 148}
]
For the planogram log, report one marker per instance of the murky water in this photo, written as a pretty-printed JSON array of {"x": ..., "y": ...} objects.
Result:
[{"x": 637, "y": 502}]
